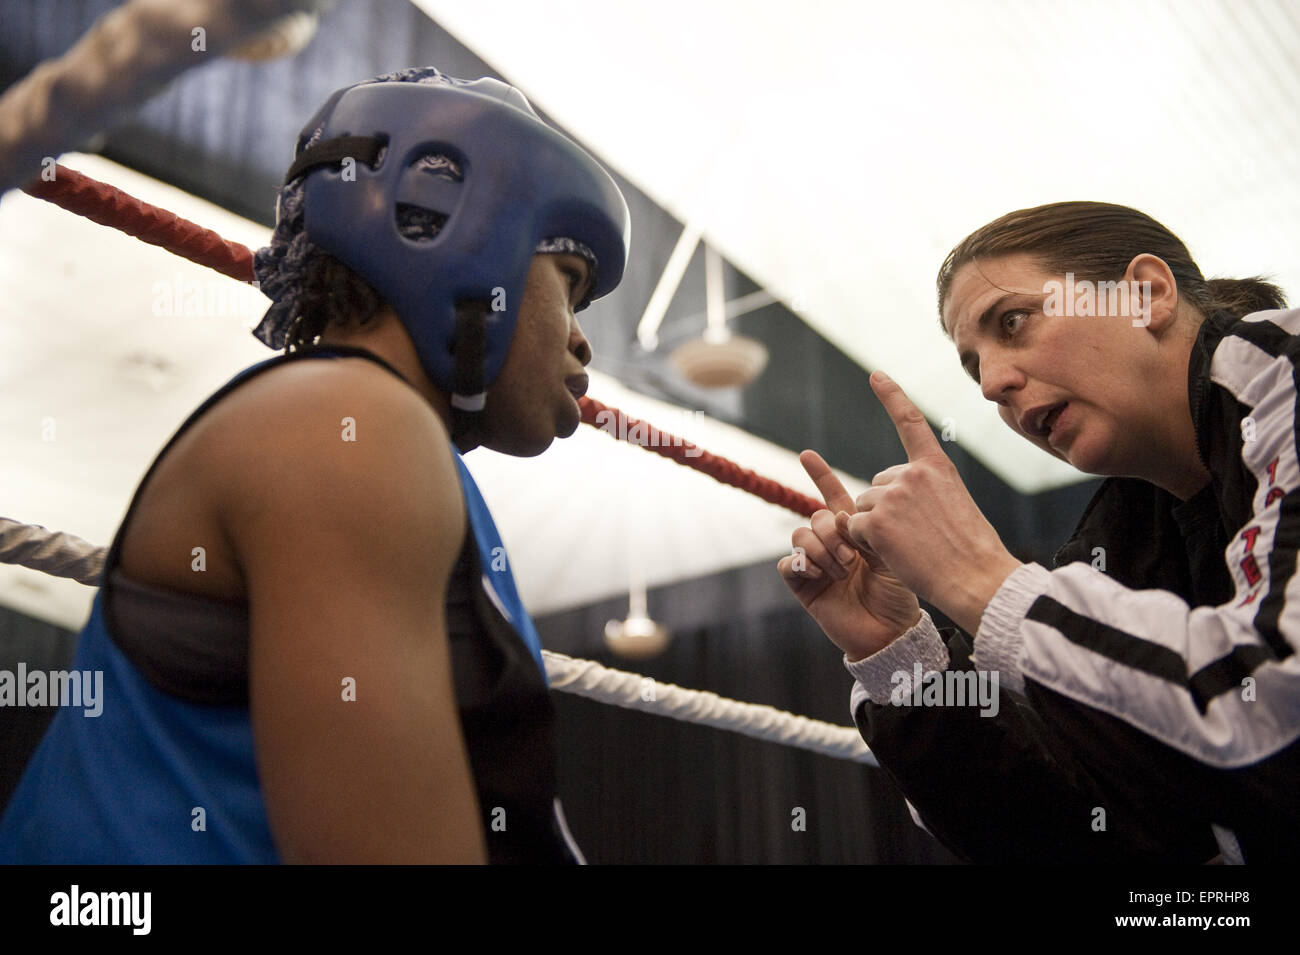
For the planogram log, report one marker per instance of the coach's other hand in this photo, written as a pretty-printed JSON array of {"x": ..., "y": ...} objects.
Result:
[{"x": 849, "y": 591}]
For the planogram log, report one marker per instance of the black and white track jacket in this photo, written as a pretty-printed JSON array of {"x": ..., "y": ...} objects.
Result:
[{"x": 1149, "y": 710}]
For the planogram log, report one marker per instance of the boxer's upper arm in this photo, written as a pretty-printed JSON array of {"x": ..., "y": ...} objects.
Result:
[{"x": 346, "y": 541}]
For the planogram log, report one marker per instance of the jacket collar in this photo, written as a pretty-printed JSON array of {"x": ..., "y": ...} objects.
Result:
[{"x": 1208, "y": 337}]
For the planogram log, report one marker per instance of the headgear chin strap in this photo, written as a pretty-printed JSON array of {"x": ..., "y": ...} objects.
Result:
[
  {"x": 521, "y": 184},
  {"x": 469, "y": 351}
]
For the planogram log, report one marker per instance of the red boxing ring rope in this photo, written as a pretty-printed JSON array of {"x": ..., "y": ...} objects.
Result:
[
  {"x": 110, "y": 206},
  {"x": 716, "y": 467}
]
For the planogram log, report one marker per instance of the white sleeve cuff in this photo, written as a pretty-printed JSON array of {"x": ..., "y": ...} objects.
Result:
[
  {"x": 1000, "y": 638},
  {"x": 874, "y": 674}
]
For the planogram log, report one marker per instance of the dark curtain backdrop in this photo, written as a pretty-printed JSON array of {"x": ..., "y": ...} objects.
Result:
[{"x": 643, "y": 788}]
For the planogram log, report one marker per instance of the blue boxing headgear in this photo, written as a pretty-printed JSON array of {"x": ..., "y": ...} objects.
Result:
[{"x": 519, "y": 186}]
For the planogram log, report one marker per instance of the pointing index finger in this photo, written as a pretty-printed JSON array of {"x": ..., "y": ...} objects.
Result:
[
  {"x": 829, "y": 486},
  {"x": 913, "y": 430}
]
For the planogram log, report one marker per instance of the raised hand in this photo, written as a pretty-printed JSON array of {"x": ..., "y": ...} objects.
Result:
[{"x": 921, "y": 520}]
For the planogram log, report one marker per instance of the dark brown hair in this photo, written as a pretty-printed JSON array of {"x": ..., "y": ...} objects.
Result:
[
  {"x": 1097, "y": 241},
  {"x": 331, "y": 294}
]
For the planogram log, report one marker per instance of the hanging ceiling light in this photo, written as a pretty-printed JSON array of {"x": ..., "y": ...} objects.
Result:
[
  {"x": 637, "y": 637},
  {"x": 719, "y": 359}
]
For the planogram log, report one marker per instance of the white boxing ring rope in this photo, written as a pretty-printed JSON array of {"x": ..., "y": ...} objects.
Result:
[
  {"x": 65, "y": 555},
  {"x": 130, "y": 53},
  {"x": 54, "y": 552},
  {"x": 596, "y": 682}
]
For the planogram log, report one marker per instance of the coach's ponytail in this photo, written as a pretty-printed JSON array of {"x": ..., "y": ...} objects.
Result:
[{"x": 1243, "y": 296}]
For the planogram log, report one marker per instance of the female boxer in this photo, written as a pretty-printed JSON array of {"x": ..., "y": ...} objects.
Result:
[{"x": 313, "y": 647}]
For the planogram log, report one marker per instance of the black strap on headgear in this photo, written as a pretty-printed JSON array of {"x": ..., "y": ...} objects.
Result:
[
  {"x": 331, "y": 152},
  {"x": 468, "y": 365}
]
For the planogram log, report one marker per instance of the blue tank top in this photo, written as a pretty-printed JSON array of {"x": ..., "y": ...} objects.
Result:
[{"x": 154, "y": 778}]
